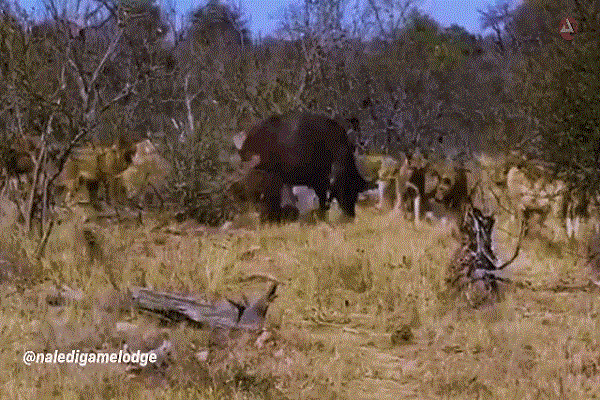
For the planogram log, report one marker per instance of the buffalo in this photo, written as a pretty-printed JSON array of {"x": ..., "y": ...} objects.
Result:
[
  {"x": 254, "y": 187},
  {"x": 303, "y": 150}
]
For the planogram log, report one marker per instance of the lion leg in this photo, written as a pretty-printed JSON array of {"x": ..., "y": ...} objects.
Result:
[
  {"x": 381, "y": 187},
  {"x": 92, "y": 187}
]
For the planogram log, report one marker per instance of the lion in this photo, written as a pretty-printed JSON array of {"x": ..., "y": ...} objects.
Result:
[
  {"x": 404, "y": 184},
  {"x": 92, "y": 166},
  {"x": 536, "y": 197},
  {"x": 147, "y": 174},
  {"x": 452, "y": 192}
]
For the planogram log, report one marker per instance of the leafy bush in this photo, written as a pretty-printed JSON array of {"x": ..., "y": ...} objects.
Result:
[{"x": 199, "y": 181}]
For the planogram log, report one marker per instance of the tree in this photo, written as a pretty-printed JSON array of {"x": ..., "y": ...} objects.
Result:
[
  {"x": 557, "y": 83},
  {"x": 389, "y": 16},
  {"x": 66, "y": 81}
]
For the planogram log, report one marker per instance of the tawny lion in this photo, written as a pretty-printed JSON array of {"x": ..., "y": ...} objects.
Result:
[
  {"x": 415, "y": 182},
  {"x": 148, "y": 170},
  {"x": 387, "y": 171},
  {"x": 92, "y": 165}
]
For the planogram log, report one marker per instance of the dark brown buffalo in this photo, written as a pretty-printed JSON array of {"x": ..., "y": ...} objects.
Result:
[
  {"x": 305, "y": 149},
  {"x": 254, "y": 187}
]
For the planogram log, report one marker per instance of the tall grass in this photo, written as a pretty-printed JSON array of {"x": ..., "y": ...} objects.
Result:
[{"x": 347, "y": 288}]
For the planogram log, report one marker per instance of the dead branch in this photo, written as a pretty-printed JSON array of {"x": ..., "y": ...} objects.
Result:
[
  {"x": 83, "y": 93},
  {"x": 497, "y": 197},
  {"x": 378, "y": 17},
  {"x": 63, "y": 158},
  {"x": 262, "y": 276},
  {"x": 188, "y": 104},
  {"x": 521, "y": 235},
  {"x": 85, "y": 90},
  {"x": 126, "y": 91},
  {"x": 109, "y": 51},
  {"x": 42, "y": 245},
  {"x": 36, "y": 173}
]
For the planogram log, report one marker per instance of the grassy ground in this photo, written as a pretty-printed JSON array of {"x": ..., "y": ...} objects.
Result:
[{"x": 362, "y": 314}]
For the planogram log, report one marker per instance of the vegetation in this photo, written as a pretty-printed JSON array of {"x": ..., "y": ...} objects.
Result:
[
  {"x": 349, "y": 290},
  {"x": 127, "y": 70},
  {"x": 363, "y": 312}
]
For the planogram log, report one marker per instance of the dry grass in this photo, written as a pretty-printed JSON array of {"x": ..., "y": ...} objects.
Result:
[{"x": 362, "y": 315}]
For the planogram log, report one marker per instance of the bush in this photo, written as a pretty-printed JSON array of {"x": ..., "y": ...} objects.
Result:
[{"x": 200, "y": 179}]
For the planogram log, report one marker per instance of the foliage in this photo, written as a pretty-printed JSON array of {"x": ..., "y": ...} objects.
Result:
[
  {"x": 557, "y": 84},
  {"x": 412, "y": 83},
  {"x": 199, "y": 182}
]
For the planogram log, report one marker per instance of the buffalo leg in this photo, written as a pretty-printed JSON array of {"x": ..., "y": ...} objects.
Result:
[
  {"x": 289, "y": 209},
  {"x": 270, "y": 207},
  {"x": 324, "y": 201}
]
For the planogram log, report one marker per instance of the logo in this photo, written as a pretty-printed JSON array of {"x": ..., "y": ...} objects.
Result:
[{"x": 568, "y": 28}]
